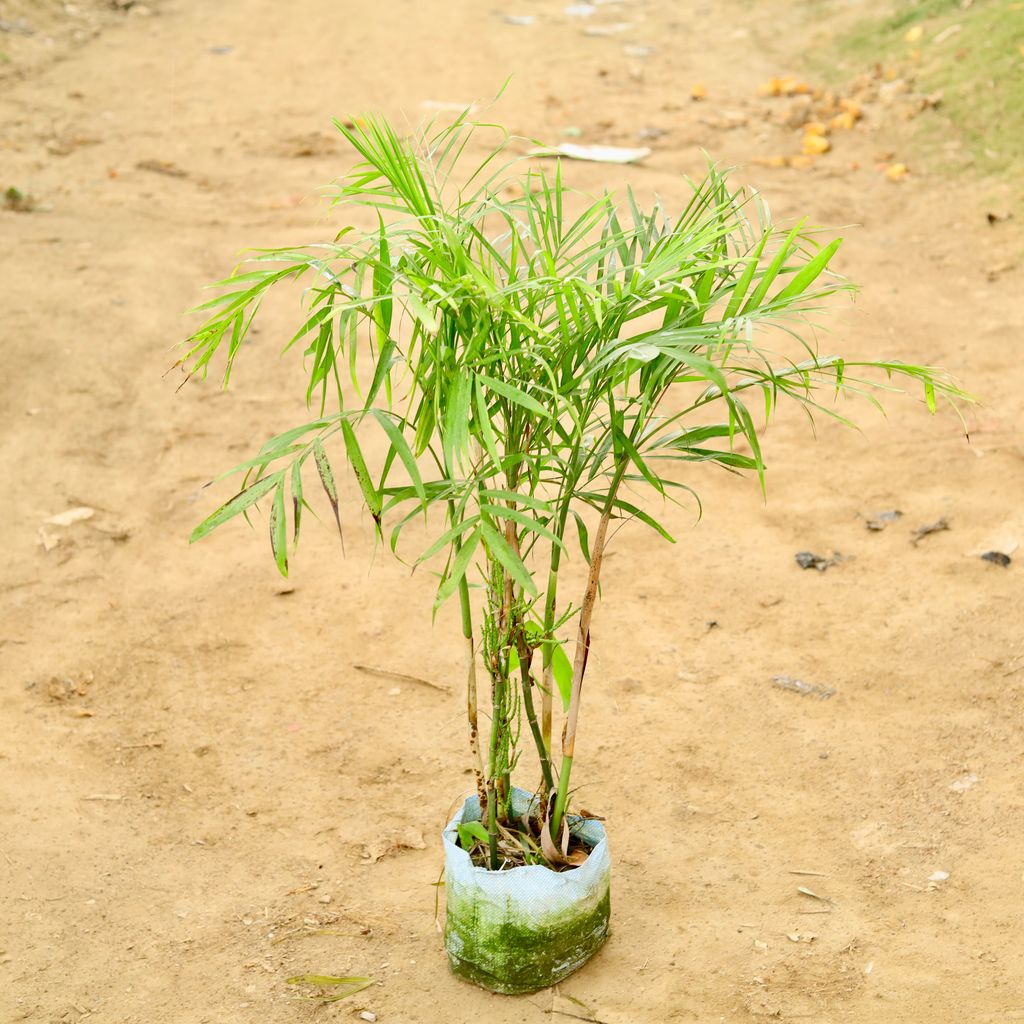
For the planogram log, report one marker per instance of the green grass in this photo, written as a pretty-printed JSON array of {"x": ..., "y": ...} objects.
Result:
[{"x": 979, "y": 69}]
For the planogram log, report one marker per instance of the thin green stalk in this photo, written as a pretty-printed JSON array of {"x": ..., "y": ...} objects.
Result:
[
  {"x": 472, "y": 714},
  {"x": 492, "y": 773},
  {"x": 548, "y": 650},
  {"x": 523, "y": 651}
]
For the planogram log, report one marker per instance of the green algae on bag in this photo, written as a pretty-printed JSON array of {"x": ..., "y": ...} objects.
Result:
[{"x": 526, "y": 928}]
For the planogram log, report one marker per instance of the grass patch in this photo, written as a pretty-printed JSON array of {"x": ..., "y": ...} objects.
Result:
[{"x": 973, "y": 55}]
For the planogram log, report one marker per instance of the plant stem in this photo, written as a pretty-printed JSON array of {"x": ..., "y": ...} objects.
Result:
[
  {"x": 466, "y": 610},
  {"x": 582, "y": 650},
  {"x": 548, "y": 650},
  {"x": 492, "y": 772},
  {"x": 471, "y": 692},
  {"x": 525, "y": 656}
]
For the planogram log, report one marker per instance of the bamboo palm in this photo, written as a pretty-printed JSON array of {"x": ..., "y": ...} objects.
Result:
[{"x": 523, "y": 366}]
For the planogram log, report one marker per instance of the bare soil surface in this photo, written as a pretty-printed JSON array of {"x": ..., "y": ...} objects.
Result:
[{"x": 201, "y": 795}]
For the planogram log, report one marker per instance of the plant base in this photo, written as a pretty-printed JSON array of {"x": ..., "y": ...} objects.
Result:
[{"x": 527, "y": 928}]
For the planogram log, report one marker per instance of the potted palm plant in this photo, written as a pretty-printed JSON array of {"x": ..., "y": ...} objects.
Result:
[{"x": 536, "y": 367}]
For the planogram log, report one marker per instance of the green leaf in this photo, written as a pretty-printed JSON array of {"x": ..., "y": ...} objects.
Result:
[
  {"x": 381, "y": 373},
  {"x": 447, "y": 537},
  {"x": 427, "y": 318},
  {"x": 352, "y": 985},
  {"x": 809, "y": 273},
  {"x": 456, "y": 420},
  {"x": 327, "y": 479},
  {"x": 483, "y": 421},
  {"x": 750, "y": 432},
  {"x": 561, "y": 669},
  {"x": 355, "y": 456},
  {"x": 598, "y": 500},
  {"x": 502, "y": 551},
  {"x": 279, "y": 530},
  {"x": 527, "y": 521},
  {"x": 626, "y": 445},
  {"x": 514, "y": 394},
  {"x": 297, "y": 501},
  {"x": 280, "y": 443},
  {"x": 527, "y": 500},
  {"x": 471, "y": 833},
  {"x": 450, "y": 583},
  {"x": 772, "y": 271},
  {"x": 324, "y": 980},
  {"x": 239, "y": 503},
  {"x": 929, "y": 394},
  {"x": 584, "y": 535},
  {"x": 382, "y": 283},
  {"x": 401, "y": 447},
  {"x": 740, "y": 288}
]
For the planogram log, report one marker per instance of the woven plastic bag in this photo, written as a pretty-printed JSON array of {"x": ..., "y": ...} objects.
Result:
[{"x": 526, "y": 928}]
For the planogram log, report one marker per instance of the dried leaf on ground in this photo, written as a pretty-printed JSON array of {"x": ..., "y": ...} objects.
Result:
[
  {"x": 786, "y": 85},
  {"x": 815, "y": 144},
  {"x": 843, "y": 122},
  {"x": 923, "y": 531},
  {"x": 407, "y": 838},
  {"x": 597, "y": 154},
  {"x": 72, "y": 515},
  {"x": 310, "y": 144},
  {"x": 325, "y": 982},
  {"x": 880, "y": 520},
  {"x": 404, "y": 677},
  {"x": 804, "y": 891},
  {"x": 46, "y": 540},
  {"x": 611, "y": 29},
  {"x": 165, "y": 167},
  {"x": 61, "y": 688},
  {"x": 963, "y": 784},
  {"x": 804, "y": 689}
]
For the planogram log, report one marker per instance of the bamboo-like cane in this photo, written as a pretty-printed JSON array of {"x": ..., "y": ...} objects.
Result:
[{"x": 583, "y": 649}]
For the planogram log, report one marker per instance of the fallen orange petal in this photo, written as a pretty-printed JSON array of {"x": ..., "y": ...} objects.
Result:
[{"x": 815, "y": 144}]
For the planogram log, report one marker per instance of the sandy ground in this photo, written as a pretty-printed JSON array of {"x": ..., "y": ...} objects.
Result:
[{"x": 195, "y": 781}]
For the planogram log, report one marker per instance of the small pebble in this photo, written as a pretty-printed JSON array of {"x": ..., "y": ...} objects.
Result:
[
  {"x": 325, "y": 898},
  {"x": 367, "y": 1015}
]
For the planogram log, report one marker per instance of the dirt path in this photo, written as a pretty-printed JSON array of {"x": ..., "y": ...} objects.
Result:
[{"x": 195, "y": 781}]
